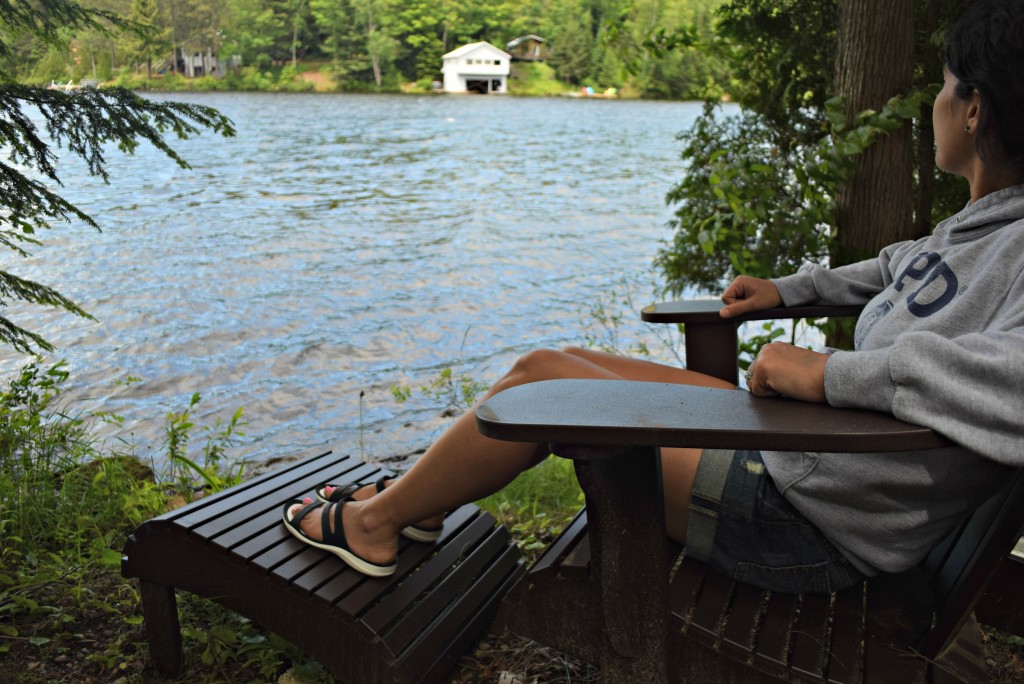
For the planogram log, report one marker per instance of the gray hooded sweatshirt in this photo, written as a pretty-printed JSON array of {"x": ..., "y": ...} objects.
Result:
[{"x": 940, "y": 343}]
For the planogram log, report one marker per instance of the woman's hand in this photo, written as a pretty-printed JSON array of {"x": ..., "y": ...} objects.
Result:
[
  {"x": 795, "y": 372},
  {"x": 749, "y": 294}
]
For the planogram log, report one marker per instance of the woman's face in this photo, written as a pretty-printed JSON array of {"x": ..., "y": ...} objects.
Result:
[{"x": 954, "y": 146}]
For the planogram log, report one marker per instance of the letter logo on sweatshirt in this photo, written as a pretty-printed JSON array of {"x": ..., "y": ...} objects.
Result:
[{"x": 938, "y": 284}]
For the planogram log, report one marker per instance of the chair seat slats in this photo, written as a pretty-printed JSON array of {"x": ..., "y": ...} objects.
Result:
[
  {"x": 811, "y": 637},
  {"x": 845, "y": 663},
  {"x": 742, "y": 623}
]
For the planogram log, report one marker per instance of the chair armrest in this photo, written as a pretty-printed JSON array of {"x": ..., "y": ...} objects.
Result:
[
  {"x": 621, "y": 412},
  {"x": 711, "y": 341},
  {"x": 706, "y": 311}
]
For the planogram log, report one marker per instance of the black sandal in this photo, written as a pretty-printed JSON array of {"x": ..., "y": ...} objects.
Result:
[
  {"x": 414, "y": 532},
  {"x": 333, "y": 541}
]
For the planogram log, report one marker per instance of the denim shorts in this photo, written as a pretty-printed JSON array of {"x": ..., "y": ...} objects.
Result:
[{"x": 741, "y": 525}]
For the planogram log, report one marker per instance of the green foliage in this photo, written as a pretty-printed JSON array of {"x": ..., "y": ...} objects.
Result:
[
  {"x": 741, "y": 209},
  {"x": 223, "y": 641},
  {"x": 290, "y": 80},
  {"x": 538, "y": 504},
  {"x": 781, "y": 54},
  {"x": 49, "y": 23},
  {"x": 150, "y": 43},
  {"x": 609, "y": 324},
  {"x": 61, "y": 488},
  {"x": 758, "y": 195},
  {"x": 457, "y": 393},
  {"x": 760, "y": 187},
  {"x": 209, "y": 470},
  {"x": 535, "y": 78},
  {"x": 68, "y": 501},
  {"x": 752, "y": 208},
  {"x": 389, "y": 42},
  {"x": 664, "y": 50}
]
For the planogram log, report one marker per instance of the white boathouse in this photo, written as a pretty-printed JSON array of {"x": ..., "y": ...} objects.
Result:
[{"x": 476, "y": 68}]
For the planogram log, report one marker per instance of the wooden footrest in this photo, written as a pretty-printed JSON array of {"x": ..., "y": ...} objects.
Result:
[
  {"x": 858, "y": 635},
  {"x": 233, "y": 549}
]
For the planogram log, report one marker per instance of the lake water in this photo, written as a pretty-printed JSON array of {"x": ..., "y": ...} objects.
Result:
[{"x": 342, "y": 244}]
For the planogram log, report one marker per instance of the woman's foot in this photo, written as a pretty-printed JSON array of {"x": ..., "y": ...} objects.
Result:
[
  {"x": 424, "y": 531},
  {"x": 339, "y": 528}
]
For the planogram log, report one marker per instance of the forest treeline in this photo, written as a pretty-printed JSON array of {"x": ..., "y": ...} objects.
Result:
[{"x": 383, "y": 43}]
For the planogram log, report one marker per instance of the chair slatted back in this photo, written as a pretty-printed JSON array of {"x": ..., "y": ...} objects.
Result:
[{"x": 959, "y": 567}]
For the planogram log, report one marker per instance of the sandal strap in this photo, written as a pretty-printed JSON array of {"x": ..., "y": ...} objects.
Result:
[
  {"x": 336, "y": 536},
  {"x": 379, "y": 484},
  {"x": 339, "y": 492},
  {"x": 303, "y": 512}
]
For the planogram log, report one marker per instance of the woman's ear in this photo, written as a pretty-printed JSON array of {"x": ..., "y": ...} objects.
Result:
[{"x": 973, "y": 110}]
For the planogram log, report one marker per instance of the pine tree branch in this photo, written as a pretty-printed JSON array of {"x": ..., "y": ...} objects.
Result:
[
  {"x": 81, "y": 122},
  {"x": 24, "y": 341},
  {"x": 11, "y": 286}
]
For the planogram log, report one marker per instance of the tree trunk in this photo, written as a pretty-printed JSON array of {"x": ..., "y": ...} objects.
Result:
[
  {"x": 295, "y": 40},
  {"x": 376, "y": 69},
  {"x": 874, "y": 62},
  {"x": 931, "y": 63}
]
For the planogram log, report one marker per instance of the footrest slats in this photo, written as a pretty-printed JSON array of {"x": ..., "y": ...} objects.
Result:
[
  {"x": 438, "y": 600},
  {"x": 409, "y": 627},
  {"x": 378, "y": 617}
]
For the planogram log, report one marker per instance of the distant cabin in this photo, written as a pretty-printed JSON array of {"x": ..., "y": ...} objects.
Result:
[
  {"x": 476, "y": 68},
  {"x": 529, "y": 48}
]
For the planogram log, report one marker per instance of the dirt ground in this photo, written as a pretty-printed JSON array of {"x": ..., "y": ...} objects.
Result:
[
  {"x": 91, "y": 648},
  {"x": 318, "y": 80}
]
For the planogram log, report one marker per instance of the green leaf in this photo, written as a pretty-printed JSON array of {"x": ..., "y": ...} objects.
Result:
[{"x": 110, "y": 558}]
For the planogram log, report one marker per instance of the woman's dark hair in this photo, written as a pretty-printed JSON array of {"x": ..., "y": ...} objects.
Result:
[{"x": 985, "y": 52}]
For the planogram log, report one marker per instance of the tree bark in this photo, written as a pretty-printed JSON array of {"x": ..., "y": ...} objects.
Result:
[
  {"x": 930, "y": 61},
  {"x": 874, "y": 62},
  {"x": 295, "y": 42}
]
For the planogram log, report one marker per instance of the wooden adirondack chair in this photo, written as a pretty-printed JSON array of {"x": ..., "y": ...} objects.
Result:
[{"x": 613, "y": 590}]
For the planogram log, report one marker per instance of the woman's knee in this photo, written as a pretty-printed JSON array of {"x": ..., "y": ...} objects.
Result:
[
  {"x": 536, "y": 365},
  {"x": 576, "y": 351},
  {"x": 539, "y": 364}
]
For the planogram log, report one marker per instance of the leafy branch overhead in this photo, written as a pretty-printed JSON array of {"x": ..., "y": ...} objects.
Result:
[
  {"x": 35, "y": 122},
  {"x": 764, "y": 189}
]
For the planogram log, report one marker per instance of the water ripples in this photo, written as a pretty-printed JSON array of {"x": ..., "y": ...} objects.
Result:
[{"x": 344, "y": 243}]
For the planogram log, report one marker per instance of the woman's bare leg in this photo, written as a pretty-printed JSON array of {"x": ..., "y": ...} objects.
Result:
[{"x": 464, "y": 466}]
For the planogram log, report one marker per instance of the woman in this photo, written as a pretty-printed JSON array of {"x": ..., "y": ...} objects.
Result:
[{"x": 940, "y": 343}]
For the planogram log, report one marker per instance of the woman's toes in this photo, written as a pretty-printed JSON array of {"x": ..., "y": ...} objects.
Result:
[{"x": 310, "y": 523}]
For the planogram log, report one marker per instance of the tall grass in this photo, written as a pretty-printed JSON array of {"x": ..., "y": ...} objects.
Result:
[
  {"x": 68, "y": 501},
  {"x": 538, "y": 504}
]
